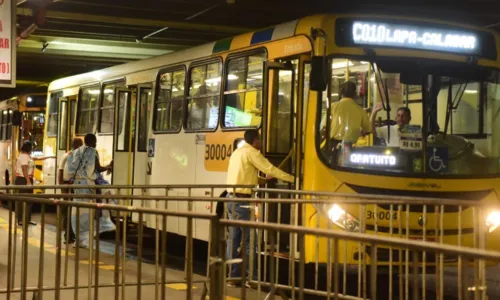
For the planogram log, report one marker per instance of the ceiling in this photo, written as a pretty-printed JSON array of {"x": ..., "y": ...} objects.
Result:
[{"x": 76, "y": 36}]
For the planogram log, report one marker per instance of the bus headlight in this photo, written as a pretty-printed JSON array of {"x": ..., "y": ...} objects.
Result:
[
  {"x": 493, "y": 221},
  {"x": 342, "y": 218}
]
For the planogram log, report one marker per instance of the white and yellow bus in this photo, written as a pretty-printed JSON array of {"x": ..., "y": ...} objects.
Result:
[
  {"x": 31, "y": 109},
  {"x": 174, "y": 119}
]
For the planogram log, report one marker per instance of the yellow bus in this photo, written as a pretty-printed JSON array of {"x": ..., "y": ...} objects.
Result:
[
  {"x": 31, "y": 107},
  {"x": 176, "y": 118}
]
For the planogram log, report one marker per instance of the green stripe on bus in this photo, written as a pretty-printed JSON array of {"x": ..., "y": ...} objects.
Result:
[{"x": 222, "y": 45}]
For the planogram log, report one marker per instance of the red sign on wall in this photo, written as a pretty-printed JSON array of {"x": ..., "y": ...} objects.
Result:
[{"x": 7, "y": 43}]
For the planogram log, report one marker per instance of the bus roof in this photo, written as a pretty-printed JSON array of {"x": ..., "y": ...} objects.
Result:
[{"x": 277, "y": 32}]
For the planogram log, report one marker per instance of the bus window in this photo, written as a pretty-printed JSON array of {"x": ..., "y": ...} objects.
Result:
[
  {"x": 203, "y": 99},
  {"x": 32, "y": 130},
  {"x": 168, "y": 104},
  {"x": 53, "y": 111},
  {"x": 144, "y": 100},
  {"x": 280, "y": 113},
  {"x": 87, "y": 110},
  {"x": 463, "y": 117},
  {"x": 243, "y": 95},
  {"x": 107, "y": 108}
]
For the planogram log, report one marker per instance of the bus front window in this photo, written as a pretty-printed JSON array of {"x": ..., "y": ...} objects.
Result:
[{"x": 412, "y": 120}]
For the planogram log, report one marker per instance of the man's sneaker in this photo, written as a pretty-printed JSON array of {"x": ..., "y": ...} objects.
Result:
[
  {"x": 232, "y": 283},
  {"x": 235, "y": 283},
  {"x": 82, "y": 246}
]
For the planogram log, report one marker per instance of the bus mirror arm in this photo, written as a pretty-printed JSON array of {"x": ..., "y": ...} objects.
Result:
[
  {"x": 318, "y": 74},
  {"x": 319, "y": 65}
]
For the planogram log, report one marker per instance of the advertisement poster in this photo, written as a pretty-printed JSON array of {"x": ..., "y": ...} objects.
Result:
[{"x": 7, "y": 44}]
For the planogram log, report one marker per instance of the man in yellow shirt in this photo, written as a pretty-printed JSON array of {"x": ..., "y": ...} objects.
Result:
[
  {"x": 349, "y": 120},
  {"x": 244, "y": 164}
]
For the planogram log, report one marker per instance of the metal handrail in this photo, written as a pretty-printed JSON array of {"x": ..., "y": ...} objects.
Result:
[
  {"x": 370, "y": 238},
  {"x": 166, "y": 212},
  {"x": 350, "y": 198},
  {"x": 403, "y": 201}
]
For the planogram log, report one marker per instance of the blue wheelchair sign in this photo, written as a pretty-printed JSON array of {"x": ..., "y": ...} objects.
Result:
[{"x": 437, "y": 159}]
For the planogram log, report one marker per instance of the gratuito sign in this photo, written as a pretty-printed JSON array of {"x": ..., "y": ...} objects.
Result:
[{"x": 7, "y": 44}]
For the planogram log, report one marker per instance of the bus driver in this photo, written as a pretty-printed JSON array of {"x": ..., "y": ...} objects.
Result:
[{"x": 403, "y": 118}]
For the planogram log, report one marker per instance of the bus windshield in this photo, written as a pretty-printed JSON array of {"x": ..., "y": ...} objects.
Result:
[{"x": 411, "y": 118}]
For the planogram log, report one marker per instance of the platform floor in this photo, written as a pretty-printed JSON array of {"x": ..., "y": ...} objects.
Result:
[{"x": 106, "y": 270}]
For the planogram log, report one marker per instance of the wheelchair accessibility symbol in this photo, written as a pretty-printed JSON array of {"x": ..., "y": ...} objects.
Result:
[{"x": 437, "y": 159}]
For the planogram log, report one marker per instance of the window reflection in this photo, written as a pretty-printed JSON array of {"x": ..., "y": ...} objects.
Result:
[
  {"x": 203, "y": 98},
  {"x": 243, "y": 96},
  {"x": 169, "y": 102},
  {"x": 87, "y": 110}
]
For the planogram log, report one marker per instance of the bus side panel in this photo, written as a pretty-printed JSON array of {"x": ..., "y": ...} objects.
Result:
[{"x": 174, "y": 164}]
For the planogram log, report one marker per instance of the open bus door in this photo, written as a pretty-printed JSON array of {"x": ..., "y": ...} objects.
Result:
[
  {"x": 279, "y": 131},
  {"x": 123, "y": 142}
]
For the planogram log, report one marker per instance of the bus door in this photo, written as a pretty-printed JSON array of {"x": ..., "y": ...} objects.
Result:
[
  {"x": 123, "y": 138},
  {"x": 64, "y": 134},
  {"x": 279, "y": 131},
  {"x": 143, "y": 109}
]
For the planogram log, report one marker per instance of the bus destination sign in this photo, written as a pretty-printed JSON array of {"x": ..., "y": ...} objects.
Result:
[{"x": 414, "y": 37}]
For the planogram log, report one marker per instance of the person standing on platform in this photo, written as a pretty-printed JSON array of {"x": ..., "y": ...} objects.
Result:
[
  {"x": 244, "y": 164},
  {"x": 64, "y": 178},
  {"x": 84, "y": 167},
  {"x": 25, "y": 169}
]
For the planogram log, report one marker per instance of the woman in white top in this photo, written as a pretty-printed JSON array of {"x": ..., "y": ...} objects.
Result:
[{"x": 25, "y": 169}]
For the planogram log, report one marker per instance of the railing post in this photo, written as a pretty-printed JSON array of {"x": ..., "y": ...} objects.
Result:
[{"x": 216, "y": 261}]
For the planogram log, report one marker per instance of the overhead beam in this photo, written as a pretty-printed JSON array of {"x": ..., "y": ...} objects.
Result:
[{"x": 51, "y": 14}]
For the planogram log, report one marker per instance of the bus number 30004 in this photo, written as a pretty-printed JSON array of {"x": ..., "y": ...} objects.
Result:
[
  {"x": 218, "y": 151},
  {"x": 381, "y": 215}
]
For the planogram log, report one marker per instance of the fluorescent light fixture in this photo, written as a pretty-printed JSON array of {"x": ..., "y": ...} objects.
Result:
[
  {"x": 471, "y": 91},
  {"x": 338, "y": 65}
]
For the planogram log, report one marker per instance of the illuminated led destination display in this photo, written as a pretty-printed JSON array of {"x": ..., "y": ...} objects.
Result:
[
  {"x": 385, "y": 34},
  {"x": 373, "y": 159}
]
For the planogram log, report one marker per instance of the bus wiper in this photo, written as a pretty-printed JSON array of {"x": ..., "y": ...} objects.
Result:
[
  {"x": 386, "y": 105},
  {"x": 453, "y": 104}
]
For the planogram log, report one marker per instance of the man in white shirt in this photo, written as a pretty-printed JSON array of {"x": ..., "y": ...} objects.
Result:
[
  {"x": 391, "y": 134},
  {"x": 63, "y": 178}
]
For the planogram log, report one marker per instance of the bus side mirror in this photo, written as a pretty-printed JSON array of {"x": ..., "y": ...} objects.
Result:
[{"x": 318, "y": 74}]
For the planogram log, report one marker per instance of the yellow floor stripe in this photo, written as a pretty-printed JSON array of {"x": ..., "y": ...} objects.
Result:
[
  {"x": 179, "y": 286},
  {"x": 52, "y": 249}
]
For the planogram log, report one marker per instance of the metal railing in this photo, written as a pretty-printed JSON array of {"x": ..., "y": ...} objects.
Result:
[
  {"x": 284, "y": 253},
  {"x": 117, "y": 261}
]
